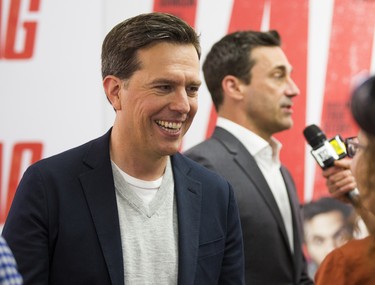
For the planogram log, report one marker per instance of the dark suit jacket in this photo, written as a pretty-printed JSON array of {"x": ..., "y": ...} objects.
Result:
[
  {"x": 268, "y": 258},
  {"x": 63, "y": 226}
]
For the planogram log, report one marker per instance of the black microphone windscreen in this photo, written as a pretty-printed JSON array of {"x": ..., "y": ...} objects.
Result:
[{"x": 314, "y": 135}]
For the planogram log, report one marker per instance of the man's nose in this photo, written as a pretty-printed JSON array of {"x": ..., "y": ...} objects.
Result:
[
  {"x": 180, "y": 102},
  {"x": 292, "y": 88}
]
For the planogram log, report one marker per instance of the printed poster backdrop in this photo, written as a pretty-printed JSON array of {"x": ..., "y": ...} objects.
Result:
[{"x": 51, "y": 97}]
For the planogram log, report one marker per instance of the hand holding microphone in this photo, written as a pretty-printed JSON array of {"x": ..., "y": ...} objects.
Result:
[
  {"x": 328, "y": 153},
  {"x": 340, "y": 180}
]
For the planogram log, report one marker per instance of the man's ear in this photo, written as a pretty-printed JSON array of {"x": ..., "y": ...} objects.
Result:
[
  {"x": 232, "y": 87},
  {"x": 112, "y": 88}
]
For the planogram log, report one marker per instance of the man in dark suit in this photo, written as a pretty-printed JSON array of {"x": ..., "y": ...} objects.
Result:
[
  {"x": 126, "y": 208},
  {"x": 249, "y": 78}
]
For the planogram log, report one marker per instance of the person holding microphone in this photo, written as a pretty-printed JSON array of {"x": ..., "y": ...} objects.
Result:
[{"x": 354, "y": 263}]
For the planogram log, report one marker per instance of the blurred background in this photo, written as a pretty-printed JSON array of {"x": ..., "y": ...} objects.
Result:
[{"x": 51, "y": 97}]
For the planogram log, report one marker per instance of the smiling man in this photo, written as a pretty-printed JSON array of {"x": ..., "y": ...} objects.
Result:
[
  {"x": 127, "y": 208},
  {"x": 249, "y": 78}
]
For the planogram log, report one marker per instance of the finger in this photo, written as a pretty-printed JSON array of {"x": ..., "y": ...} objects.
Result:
[
  {"x": 343, "y": 163},
  {"x": 331, "y": 171}
]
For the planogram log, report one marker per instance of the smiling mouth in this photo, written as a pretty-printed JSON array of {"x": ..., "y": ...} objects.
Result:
[{"x": 171, "y": 127}]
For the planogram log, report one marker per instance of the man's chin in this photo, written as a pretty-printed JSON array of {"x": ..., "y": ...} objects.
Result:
[
  {"x": 288, "y": 124},
  {"x": 171, "y": 150},
  {"x": 285, "y": 126}
]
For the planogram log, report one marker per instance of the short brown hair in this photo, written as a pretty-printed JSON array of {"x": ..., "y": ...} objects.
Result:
[
  {"x": 231, "y": 56},
  {"x": 120, "y": 46}
]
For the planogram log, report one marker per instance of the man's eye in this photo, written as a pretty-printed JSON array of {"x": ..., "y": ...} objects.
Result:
[
  {"x": 164, "y": 88},
  {"x": 192, "y": 89},
  {"x": 278, "y": 75}
]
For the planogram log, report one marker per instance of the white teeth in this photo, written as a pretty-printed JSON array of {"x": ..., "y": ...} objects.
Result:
[{"x": 169, "y": 125}]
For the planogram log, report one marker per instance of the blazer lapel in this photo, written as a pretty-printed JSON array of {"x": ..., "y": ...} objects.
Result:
[
  {"x": 99, "y": 190},
  {"x": 188, "y": 195},
  {"x": 296, "y": 214},
  {"x": 247, "y": 164},
  {"x": 250, "y": 167}
]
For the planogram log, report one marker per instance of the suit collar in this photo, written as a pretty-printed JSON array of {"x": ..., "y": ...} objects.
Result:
[
  {"x": 99, "y": 190},
  {"x": 188, "y": 194},
  {"x": 294, "y": 206},
  {"x": 250, "y": 140},
  {"x": 248, "y": 165}
]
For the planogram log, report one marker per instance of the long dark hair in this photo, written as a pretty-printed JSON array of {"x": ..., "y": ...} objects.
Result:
[
  {"x": 363, "y": 105},
  {"x": 363, "y": 111}
]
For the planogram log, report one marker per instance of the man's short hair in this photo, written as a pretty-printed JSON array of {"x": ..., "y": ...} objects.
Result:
[
  {"x": 120, "y": 46},
  {"x": 232, "y": 56}
]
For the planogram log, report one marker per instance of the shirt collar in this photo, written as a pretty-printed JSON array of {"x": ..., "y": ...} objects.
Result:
[{"x": 252, "y": 142}]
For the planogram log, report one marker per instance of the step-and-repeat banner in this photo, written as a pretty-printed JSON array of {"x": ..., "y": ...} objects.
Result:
[{"x": 51, "y": 97}]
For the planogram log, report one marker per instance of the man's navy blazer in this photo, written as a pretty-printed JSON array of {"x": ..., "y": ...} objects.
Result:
[
  {"x": 268, "y": 257},
  {"x": 63, "y": 225}
]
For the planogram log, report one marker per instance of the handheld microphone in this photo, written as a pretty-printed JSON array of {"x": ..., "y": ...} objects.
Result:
[{"x": 325, "y": 152}]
